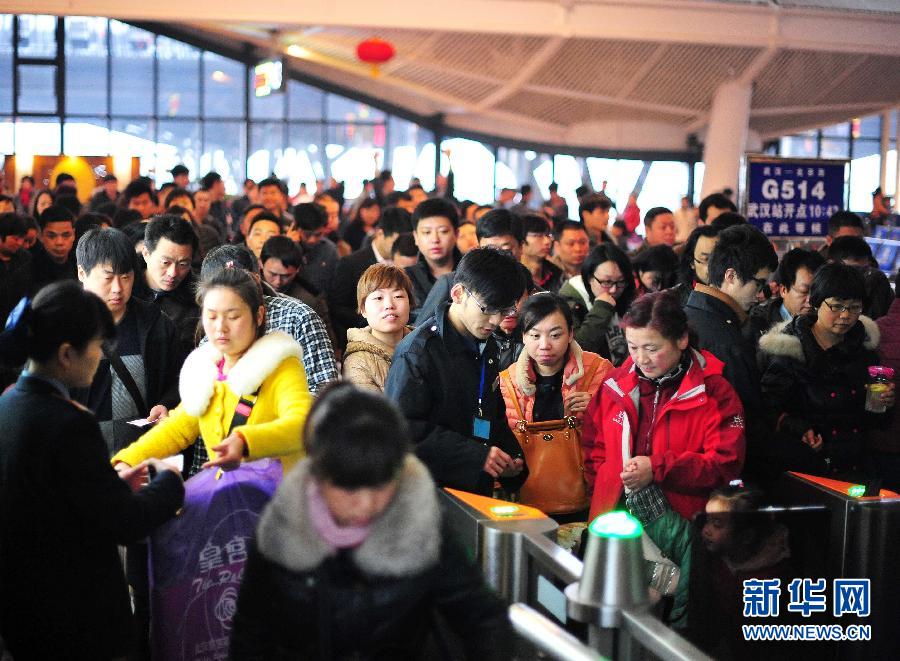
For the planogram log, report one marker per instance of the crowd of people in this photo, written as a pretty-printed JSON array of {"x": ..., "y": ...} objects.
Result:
[{"x": 381, "y": 346}]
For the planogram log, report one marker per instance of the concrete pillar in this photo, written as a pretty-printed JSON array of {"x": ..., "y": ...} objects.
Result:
[{"x": 726, "y": 138}]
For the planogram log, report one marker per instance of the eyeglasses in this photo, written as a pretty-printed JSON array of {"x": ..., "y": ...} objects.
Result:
[
  {"x": 761, "y": 283},
  {"x": 609, "y": 284},
  {"x": 490, "y": 312},
  {"x": 840, "y": 308}
]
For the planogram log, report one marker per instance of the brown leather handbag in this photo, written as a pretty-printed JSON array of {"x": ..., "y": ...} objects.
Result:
[{"x": 552, "y": 450}]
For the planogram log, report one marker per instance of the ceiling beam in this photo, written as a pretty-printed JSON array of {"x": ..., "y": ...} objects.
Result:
[
  {"x": 644, "y": 20},
  {"x": 825, "y": 108},
  {"x": 649, "y": 65},
  {"x": 533, "y": 65},
  {"x": 610, "y": 100}
]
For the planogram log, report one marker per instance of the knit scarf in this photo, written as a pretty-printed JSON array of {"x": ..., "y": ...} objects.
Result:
[{"x": 333, "y": 534}]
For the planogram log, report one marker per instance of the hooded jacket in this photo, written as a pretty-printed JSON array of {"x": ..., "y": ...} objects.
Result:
[
  {"x": 367, "y": 359},
  {"x": 303, "y": 599},
  {"x": 272, "y": 366},
  {"x": 696, "y": 437},
  {"x": 806, "y": 387}
]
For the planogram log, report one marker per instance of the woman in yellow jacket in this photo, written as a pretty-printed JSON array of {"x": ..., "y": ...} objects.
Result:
[{"x": 240, "y": 369}]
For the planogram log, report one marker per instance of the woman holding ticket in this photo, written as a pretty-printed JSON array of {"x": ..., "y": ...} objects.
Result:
[
  {"x": 63, "y": 510},
  {"x": 244, "y": 392}
]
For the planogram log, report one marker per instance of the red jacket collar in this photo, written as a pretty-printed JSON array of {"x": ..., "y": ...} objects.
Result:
[{"x": 624, "y": 379}]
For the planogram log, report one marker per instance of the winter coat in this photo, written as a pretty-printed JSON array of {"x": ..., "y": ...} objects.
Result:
[
  {"x": 888, "y": 439},
  {"x": 696, "y": 437},
  {"x": 423, "y": 280},
  {"x": 367, "y": 359},
  {"x": 762, "y": 317},
  {"x": 805, "y": 387},
  {"x": 63, "y": 510},
  {"x": 522, "y": 376},
  {"x": 342, "y": 296},
  {"x": 272, "y": 365},
  {"x": 592, "y": 320},
  {"x": 434, "y": 380},
  {"x": 179, "y": 305},
  {"x": 718, "y": 323},
  {"x": 302, "y": 599},
  {"x": 160, "y": 353}
]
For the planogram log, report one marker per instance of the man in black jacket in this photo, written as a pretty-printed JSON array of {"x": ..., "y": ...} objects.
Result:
[
  {"x": 170, "y": 244},
  {"x": 53, "y": 257},
  {"x": 444, "y": 379},
  {"x": 794, "y": 277},
  {"x": 138, "y": 378},
  {"x": 435, "y": 224},
  {"x": 342, "y": 297},
  {"x": 739, "y": 268}
]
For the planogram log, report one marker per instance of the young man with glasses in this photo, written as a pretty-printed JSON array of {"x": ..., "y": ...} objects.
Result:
[
  {"x": 739, "y": 268},
  {"x": 444, "y": 374}
]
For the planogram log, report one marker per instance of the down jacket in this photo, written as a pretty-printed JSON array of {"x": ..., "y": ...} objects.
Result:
[
  {"x": 270, "y": 366},
  {"x": 696, "y": 438},
  {"x": 367, "y": 359},
  {"x": 522, "y": 376},
  {"x": 806, "y": 387},
  {"x": 302, "y": 599}
]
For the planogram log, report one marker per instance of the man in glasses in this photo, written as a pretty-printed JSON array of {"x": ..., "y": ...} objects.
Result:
[
  {"x": 738, "y": 270},
  {"x": 444, "y": 373},
  {"x": 794, "y": 277}
]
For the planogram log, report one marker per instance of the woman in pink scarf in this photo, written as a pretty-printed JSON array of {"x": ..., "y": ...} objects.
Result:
[{"x": 351, "y": 557}]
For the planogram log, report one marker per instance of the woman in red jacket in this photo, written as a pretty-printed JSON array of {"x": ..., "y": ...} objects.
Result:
[{"x": 667, "y": 415}]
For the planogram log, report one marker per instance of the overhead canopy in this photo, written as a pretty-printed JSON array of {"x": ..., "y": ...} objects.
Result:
[{"x": 636, "y": 74}]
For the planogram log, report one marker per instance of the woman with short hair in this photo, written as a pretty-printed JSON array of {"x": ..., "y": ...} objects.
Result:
[
  {"x": 815, "y": 370},
  {"x": 384, "y": 295}
]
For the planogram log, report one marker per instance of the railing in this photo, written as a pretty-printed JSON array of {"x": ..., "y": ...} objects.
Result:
[{"x": 524, "y": 565}]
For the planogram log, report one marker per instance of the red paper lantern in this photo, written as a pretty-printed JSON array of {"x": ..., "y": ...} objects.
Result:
[{"x": 375, "y": 51}]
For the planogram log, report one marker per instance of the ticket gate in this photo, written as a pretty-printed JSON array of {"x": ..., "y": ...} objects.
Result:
[
  {"x": 862, "y": 536},
  {"x": 565, "y": 608}
]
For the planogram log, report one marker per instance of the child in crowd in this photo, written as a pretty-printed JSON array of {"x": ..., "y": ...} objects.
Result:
[{"x": 738, "y": 541}]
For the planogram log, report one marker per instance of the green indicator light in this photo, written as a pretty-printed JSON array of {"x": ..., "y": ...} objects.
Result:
[
  {"x": 619, "y": 525},
  {"x": 857, "y": 490},
  {"x": 505, "y": 510}
]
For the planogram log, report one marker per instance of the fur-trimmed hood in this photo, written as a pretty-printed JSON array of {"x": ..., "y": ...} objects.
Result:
[
  {"x": 785, "y": 338},
  {"x": 572, "y": 372},
  {"x": 403, "y": 541},
  {"x": 198, "y": 376}
]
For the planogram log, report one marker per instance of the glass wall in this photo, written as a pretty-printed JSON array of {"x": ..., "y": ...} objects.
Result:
[
  {"x": 130, "y": 93},
  {"x": 859, "y": 141}
]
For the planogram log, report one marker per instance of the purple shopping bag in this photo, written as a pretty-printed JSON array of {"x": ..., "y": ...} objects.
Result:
[{"x": 197, "y": 561}]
